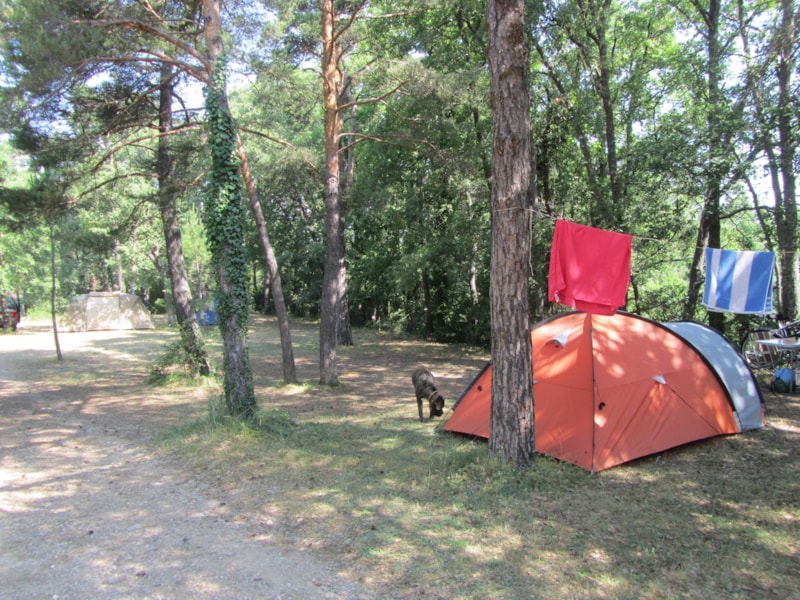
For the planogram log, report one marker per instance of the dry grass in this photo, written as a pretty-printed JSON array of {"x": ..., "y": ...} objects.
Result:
[{"x": 414, "y": 513}]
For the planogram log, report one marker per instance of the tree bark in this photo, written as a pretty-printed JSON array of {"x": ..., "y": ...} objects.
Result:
[
  {"x": 716, "y": 153},
  {"x": 611, "y": 212},
  {"x": 118, "y": 264},
  {"x": 511, "y": 434},
  {"x": 191, "y": 338},
  {"x": 333, "y": 281},
  {"x": 786, "y": 210},
  {"x": 709, "y": 227},
  {"x": 226, "y": 229},
  {"x": 347, "y": 166},
  {"x": 782, "y": 175},
  {"x": 53, "y": 283},
  {"x": 287, "y": 350}
]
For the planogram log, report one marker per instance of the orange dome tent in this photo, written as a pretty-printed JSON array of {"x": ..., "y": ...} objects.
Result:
[{"x": 609, "y": 389}]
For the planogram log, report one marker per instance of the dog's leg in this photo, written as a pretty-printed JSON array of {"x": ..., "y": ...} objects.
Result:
[
  {"x": 431, "y": 396},
  {"x": 419, "y": 408}
]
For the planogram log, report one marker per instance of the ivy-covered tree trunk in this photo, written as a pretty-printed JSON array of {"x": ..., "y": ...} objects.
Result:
[
  {"x": 225, "y": 218},
  {"x": 191, "y": 339},
  {"x": 511, "y": 434}
]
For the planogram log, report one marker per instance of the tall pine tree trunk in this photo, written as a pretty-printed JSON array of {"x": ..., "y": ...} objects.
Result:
[
  {"x": 181, "y": 291},
  {"x": 511, "y": 435},
  {"x": 333, "y": 281}
]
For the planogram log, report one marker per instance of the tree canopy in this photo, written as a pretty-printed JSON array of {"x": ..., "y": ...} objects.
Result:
[{"x": 674, "y": 121}]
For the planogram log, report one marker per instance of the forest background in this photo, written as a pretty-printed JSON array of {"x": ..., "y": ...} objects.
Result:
[{"x": 674, "y": 121}]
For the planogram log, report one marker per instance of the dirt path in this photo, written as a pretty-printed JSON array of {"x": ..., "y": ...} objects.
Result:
[{"x": 89, "y": 509}]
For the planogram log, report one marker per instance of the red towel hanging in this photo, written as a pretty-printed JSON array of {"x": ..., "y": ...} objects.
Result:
[{"x": 590, "y": 268}]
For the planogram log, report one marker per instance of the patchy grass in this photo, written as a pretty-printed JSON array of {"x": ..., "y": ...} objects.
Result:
[{"x": 350, "y": 472}]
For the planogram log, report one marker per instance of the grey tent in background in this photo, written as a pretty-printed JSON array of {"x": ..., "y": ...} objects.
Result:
[{"x": 105, "y": 310}]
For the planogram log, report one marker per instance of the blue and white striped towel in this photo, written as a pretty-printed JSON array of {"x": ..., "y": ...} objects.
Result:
[{"x": 739, "y": 281}]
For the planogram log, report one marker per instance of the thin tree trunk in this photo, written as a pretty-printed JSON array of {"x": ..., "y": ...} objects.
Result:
[
  {"x": 511, "y": 433},
  {"x": 266, "y": 285},
  {"x": 169, "y": 305},
  {"x": 709, "y": 228},
  {"x": 133, "y": 268},
  {"x": 347, "y": 166},
  {"x": 344, "y": 332},
  {"x": 716, "y": 160},
  {"x": 53, "y": 280},
  {"x": 696, "y": 270},
  {"x": 287, "y": 351},
  {"x": 118, "y": 262},
  {"x": 191, "y": 338},
  {"x": 426, "y": 297},
  {"x": 611, "y": 213}
]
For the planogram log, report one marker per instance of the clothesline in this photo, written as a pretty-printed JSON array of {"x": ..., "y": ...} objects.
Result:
[
  {"x": 589, "y": 268},
  {"x": 590, "y": 271},
  {"x": 634, "y": 236}
]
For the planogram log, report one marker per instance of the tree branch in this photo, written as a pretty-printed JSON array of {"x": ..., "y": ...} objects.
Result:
[
  {"x": 283, "y": 143},
  {"x": 198, "y": 73},
  {"x": 381, "y": 98},
  {"x": 756, "y": 209},
  {"x": 138, "y": 140},
  {"x": 349, "y": 20},
  {"x": 111, "y": 180},
  {"x": 148, "y": 29}
]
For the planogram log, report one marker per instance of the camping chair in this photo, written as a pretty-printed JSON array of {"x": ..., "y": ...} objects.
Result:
[
  {"x": 786, "y": 329},
  {"x": 758, "y": 356}
]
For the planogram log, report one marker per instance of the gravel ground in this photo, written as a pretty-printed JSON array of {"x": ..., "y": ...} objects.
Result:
[{"x": 90, "y": 509}]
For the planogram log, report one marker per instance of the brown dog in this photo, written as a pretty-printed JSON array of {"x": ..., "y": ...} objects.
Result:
[{"x": 425, "y": 387}]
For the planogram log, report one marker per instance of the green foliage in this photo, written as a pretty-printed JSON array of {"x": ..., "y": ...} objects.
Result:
[
  {"x": 225, "y": 231},
  {"x": 267, "y": 427},
  {"x": 417, "y": 218},
  {"x": 175, "y": 364},
  {"x": 284, "y": 106},
  {"x": 196, "y": 253},
  {"x": 225, "y": 207}
]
